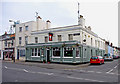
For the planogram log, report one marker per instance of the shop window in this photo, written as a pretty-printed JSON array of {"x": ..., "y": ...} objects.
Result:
[
  {"x": 56, "y": 52},
  {"x": 77, "y": 52},
  {"x": 22, "y": 53},
  {"x": 32, "y": 52},
  {"x": 42, "y": 52},
  {"x": 68, "y": 52},
  {"x": 35, "y": 51},
  {"x": 38, "y": 51}
]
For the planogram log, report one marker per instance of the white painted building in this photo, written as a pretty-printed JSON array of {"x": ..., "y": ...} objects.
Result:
[
  {"x": 79, "y": 33},
  {"x": 23, "y": 34}
]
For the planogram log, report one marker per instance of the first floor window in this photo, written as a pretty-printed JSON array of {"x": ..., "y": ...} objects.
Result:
[
  {"x": 68, "y": 52},
  {"x": 59, "y": 38},
  {"x": 56, "y": 52},
  {"x": 70, "y": 37},
  {"x": 36, "y": 39},
  {"x": 20, "y": 39}
]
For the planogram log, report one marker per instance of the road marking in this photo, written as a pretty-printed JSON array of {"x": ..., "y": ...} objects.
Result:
[
  {"x": 90, "y": 71},
  {"x": 25, "y": 70},
  {"x": 109, "y": 71},
  {"x": 98, "y": 72},
  {"x": 116, "y": 66},
  {"x": 84, "y": 79},
  {"x": 83, "y": 70},
  {"x": 5, "y": 67}
]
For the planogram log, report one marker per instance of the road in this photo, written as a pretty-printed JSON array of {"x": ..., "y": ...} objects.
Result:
[{"x": 13, "y": 72}]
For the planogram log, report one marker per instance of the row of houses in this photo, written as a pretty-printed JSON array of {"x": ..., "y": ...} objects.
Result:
[{"x": 37, "y": 41}]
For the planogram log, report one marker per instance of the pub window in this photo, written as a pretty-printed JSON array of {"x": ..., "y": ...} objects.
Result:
[
  {"x": 70, "y": 37},
  {"x": 68, "y": 52},
  {"x": 38, "y": 51},
  {"x": 56, "y": 52},
  {"x": 77, "y": 52},
  {"x": 35, "y": 51},
  {"x": 42, "y": 52}
]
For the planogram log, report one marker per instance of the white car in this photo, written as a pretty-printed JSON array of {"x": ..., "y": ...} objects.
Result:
[{"x": 108, "y": 57}]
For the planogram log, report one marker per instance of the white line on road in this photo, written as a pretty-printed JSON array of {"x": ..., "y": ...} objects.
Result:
[
  {"x": 98, "y": 72},
  {"x": 5, "y": 67},
  {"x": 90, "y": 71},
  {"x": 109, "y": 71},
  {"x": 116, "y": 66},
  {"x": 84, "y": 79},
  {"x": 25, "y": 70}
]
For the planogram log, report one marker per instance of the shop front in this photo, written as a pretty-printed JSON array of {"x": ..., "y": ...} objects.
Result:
[{"x": 62, "y": 52}]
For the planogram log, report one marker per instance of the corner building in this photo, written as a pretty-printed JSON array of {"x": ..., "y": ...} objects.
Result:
[{"x": 69, "y": 44}]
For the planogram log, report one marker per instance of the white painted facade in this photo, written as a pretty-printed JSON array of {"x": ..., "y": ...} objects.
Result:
[{"x": 23, "y": 34}]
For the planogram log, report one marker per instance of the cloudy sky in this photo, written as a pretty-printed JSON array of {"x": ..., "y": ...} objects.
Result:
[{"x": 101, "y": 15}]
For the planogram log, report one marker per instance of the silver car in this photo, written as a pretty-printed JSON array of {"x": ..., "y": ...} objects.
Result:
[{"x": 108, "y": 57}]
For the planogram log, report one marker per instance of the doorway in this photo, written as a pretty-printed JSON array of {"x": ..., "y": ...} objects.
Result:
[{"x": 48, "y": 55}]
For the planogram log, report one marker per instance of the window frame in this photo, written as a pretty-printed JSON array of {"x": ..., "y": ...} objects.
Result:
[
  {"x": 57, "y": 50},
  {"x": 67, "y": 56}
]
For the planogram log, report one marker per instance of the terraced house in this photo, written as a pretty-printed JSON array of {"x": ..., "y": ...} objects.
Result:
[{"x": 69, "y": 44}]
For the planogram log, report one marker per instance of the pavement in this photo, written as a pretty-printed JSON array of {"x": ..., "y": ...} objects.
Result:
[
  {"x": 51, "y": 65},
  {"x": 39, "y": 72}
]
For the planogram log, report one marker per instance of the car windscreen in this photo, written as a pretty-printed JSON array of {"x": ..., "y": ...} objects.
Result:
[{"x": 94, "y": 57}]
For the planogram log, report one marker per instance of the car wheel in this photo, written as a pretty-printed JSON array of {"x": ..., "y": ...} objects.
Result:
[{"x": 100, "y": 63}]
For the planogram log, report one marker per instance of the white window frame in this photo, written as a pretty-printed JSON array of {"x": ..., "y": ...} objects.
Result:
[
  {"x": 66, "y": 56},
  {"x": 55, "y": 56},
  {"x": 34, "y": 53}
]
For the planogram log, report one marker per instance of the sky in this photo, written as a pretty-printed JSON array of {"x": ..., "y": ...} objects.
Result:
[{"x": 101, "y": 15}]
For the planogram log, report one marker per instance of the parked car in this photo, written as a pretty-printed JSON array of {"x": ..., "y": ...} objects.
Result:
[
  {"x": 108, "y": 57},
  {"x": 115, "y": 56},
  {"x": 96, "y": 60}
]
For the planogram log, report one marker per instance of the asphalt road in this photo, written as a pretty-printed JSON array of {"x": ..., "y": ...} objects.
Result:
[{"x": 108, "y": 72}]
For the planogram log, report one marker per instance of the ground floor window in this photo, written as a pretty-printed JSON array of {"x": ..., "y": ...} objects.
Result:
[
  {"x": 77, "y": 52},
  {"x": 68, "y": 52},
  {"x": 22, "y": 53},
  {"x": 42, "y": 52},
  {"x": 36, "y": 51},
  {"x": 56, "y": 52}
]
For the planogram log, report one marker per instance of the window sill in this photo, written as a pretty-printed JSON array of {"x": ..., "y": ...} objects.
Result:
[
  {"x": 67, "y": 57},
  {"x": 35, "y": 56},
  {"x": 56, "y": 57},
  {"x": 77, "y": 57}
]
